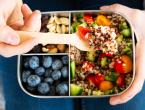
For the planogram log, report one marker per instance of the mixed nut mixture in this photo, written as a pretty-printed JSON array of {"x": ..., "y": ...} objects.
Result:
[
  {"x": 55, "y": 24},
  {"x": 109, "y": 68},
  {"x": 46, "y": 75}
]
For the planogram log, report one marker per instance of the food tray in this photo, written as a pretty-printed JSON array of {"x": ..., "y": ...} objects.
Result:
[{"x": 58, "y": 51}]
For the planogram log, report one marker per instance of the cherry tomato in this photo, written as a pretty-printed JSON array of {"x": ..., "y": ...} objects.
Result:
[
  {"x": 123, "y": 65},
  {"x": 118, "y": 66},
  {"x": 95, "y": 79},
  {"x": 120, "y": 80},
  {"x": 105, "y": 85},
  {"x": 98, "y": 79},
  {"x": 91, "y": 79},
  {"x": 88, "y": 18},
  {"x": 127, "y": 63},
  {"x": 82, "y": 32}
]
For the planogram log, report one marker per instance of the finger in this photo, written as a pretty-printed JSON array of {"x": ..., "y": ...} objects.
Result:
[
  {"x": 26, "y": 11},
  {"x": 24, "y": 47},
  {"x": 139, "y": 79},
  {"x": 118, "y": 8},
  {"x": 9, "y": 36},
  {"x": 128, "y": 12},
  {"x": 16, "y": 19},
  {"x": 33, "y": 23}
]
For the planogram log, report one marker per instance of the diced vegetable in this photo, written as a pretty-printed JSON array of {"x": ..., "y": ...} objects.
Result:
[
  {"x": 74, "y": 27},
  {"x": 82, "y": 32},
  {"x": 128, "y": 65},
  {"x": 75, "y": 90},
  {"x": 98, "y": 79},
  {"x": 119, "y": 38},
  {"x": 95, "y": 79},
  {"x": 123, "y": 25},
  {"x": 94, "y": 25},
  {"x": 73, "y": 68},
  {"x": 102, "y": 20},
  {"x": 120, "y": 81},
  {"x": 123, "y": 65},
  {"x": 91, "y": 55},
  {"x": 111, "y": 77},
  {"x": 105, "y": 85},
  {"x": 88, "y": 18},
  {"x": 104, "y": 61},
  {"x": 79, "y": 17},
  {"x": 83, "y": 24},
  {"x": 126, "y": 32}
]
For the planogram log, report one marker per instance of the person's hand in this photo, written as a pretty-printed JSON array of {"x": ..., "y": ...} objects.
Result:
[
  {"x": 17, "y": 16},
  {"x": 136, "y": 17}
]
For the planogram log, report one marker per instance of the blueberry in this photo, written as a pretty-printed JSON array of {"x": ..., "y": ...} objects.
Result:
[
  {"x": 62, "y": 88},
  {"x": 25, "y": 75},
  {"x": 56, "y": 74},
  {"x": 26, "y": 62},
  {"x": 33, "y": 80},
  {"x": 34, "y": 62},
  {"x": 48, "y": 72},
  {"x": 48, "y": 80},
  {"x": 43, "y": 88},
  {"x": 64, "y": 72},
  {"x": 57, "y": 64},
  {"x": 39, "y": 71},
  {"x": 47, "y": 61},
  {"x": 65, "y": 60}
]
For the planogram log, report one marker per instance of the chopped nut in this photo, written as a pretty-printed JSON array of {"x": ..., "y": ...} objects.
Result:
[
  {"x": 58, "y": 29},
  {"x": 64, "y": 21},
  {"x": 61, "y": 47},
  {"x": 53, "y": 50},
  {"x": 57, "y": 20},
  {"x": 44, "y": 49},
  {"x": 63, "y": 27}
]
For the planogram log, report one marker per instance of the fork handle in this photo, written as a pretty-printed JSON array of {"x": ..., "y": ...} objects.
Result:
[{"x": 47, "y": 38}]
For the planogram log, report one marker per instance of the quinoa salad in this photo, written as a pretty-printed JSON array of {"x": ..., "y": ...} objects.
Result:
[{"x": 108, "y": 68}]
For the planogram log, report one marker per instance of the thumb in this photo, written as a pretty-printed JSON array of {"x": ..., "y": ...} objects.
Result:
[
  {"x": 8, "y": 35},
  {"x": 119, "y": 8}
]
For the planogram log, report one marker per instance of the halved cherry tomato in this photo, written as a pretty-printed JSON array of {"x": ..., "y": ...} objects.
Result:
[
  {"x": 95, "y": 79},
  {"x": 120, "y": 80},
  {"x": 123, "y": 65},
  {"x": 98, "y": 79},
  {"x": 127, "y": 63},
  {"x": 88, "y": 18},
  {"x": 91, "y": 79},
  {"x": 106, "y": 85},
  {"x": 103, "y": 20},
  {"x": 118, "y": 66},
  {"x": 82, "y": 31}
]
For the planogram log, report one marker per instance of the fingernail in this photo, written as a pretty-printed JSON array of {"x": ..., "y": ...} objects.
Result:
[{"x": 38, "y": 13}]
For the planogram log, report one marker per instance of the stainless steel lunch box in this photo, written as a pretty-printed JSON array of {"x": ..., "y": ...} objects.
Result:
[{"x": 68, "y": 14}]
